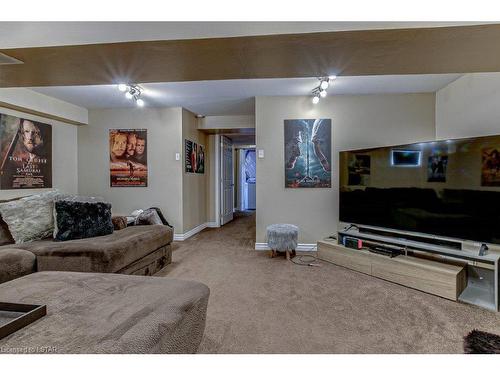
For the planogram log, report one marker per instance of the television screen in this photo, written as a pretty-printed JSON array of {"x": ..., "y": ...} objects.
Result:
[
  {"x": 405, "y": 158},
  {"x": 446, "y": 188}
]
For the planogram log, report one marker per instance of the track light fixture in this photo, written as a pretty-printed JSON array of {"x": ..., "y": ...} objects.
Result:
[
  {"x": 132, "y": 92},
  {"x": 320, "y": 91}
]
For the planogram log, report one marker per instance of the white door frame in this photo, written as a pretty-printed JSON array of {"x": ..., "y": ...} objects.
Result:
[
  {"x": 221, "y": 182},
  {"x": 217, "y": 189}
]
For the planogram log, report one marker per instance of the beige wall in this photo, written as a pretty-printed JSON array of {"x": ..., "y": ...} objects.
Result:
[
  {"x": 194, "y": 185},
  {"x": 357, "y": 122},
  {"x": 469, "y": 107},
  {"x": 64, "y": 157},
  {"x": 164, "y": 188}
]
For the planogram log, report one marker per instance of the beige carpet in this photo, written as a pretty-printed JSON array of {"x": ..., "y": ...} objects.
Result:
[{"x": 263, "y": 305}]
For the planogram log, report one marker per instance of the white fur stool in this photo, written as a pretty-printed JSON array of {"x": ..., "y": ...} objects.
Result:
[{"x": 282, "y": 237}]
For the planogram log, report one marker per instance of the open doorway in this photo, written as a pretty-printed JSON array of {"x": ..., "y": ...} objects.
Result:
[
  {"x": 236, "y": 184},
  {"x": 245, "y": 178}
]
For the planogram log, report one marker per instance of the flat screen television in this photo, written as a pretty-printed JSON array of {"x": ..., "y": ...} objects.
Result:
[{"x": 446, "y": 188}]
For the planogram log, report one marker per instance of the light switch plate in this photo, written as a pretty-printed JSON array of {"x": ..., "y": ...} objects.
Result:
[
  {"x": 177, "y": 156},
  {"x": 261, "y": 154}
]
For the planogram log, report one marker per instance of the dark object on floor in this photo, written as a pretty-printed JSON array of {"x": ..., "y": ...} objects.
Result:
[
  {"x": 119, "y": 222},
  {"x": 76, "y": 220},
  {"x": 479, "y": 342}
]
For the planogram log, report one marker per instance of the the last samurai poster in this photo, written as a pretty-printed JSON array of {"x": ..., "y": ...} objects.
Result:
[{"x": 25, "y": 153}]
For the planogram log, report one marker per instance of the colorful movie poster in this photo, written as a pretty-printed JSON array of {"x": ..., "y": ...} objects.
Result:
[
  {"x": 194, "y": 157},
  {"x": 359, "y": 169},
  {"x": 128, "y": 153},
  {"x": 436, "y": 168},
  {"x": 25, "y": 153},
  {"x": 490, "y": 171},
  {"x": 308, "y": 153}
]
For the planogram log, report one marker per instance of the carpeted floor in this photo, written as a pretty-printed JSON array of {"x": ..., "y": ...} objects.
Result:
[{"x": 263, "y": 305}]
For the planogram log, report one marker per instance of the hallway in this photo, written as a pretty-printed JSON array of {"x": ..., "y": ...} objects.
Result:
[{"x": 263, "y": 305}]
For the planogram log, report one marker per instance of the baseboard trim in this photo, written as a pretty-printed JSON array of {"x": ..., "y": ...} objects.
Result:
[
  {"x": 192, "y": 232},
  {"x": 300, "y": 247}
]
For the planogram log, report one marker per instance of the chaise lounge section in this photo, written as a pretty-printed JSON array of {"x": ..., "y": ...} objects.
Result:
[{"x": 107, "y": 313}]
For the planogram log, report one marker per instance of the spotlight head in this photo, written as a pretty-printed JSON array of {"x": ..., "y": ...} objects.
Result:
[
  {"x": 323, "y": 85},
  {"x": 315, "y": 99},
  {"x": 140, "y": 102},
  {"x": 122, "y": 87},
  {"x": 331, "y": 78},
  {"x": 322, "y": 93},
  {"x": 128, "y": 95}
]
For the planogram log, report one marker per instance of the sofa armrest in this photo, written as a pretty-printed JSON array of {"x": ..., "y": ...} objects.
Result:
[{"x": 15, "y": 263}]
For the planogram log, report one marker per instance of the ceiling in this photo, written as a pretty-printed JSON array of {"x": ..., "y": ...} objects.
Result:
[
  {"x": 236, "y": 97},
  {"x": 43, "y": 34},
  {"x": 435, "y": 50}
]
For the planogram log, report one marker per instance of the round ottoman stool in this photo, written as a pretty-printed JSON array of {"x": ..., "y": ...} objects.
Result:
[
  {"x": 282, "y": 237},
  {"x": 15, "y": 263}
]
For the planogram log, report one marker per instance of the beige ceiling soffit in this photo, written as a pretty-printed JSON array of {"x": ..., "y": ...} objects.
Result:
[
  {"x": 462, "y": 49},
  {"x": 8, "y": 60},
  {"x": 40, "y": 114}
]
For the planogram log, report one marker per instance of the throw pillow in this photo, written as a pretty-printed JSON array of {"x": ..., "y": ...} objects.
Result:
[
  {"x": 148, "y": 217},
  {"x": 30, "y": 218},
  {"x": 119, "y": 222},
  {"x": 76, "y": 220}
]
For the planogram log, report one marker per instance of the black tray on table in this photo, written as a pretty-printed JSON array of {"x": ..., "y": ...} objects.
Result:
[{"x": 14, "y": 316}]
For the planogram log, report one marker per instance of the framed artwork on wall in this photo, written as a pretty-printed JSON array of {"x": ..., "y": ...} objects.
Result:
[
  {"x": 490, "y": 170},
  {"x": 25, "y": 153},
  {"x": 194, "y": 157},
  {"x": 308, "y": 154},
  {"x": 128, "y": 157}
]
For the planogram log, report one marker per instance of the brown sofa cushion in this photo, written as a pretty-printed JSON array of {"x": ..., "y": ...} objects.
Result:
[
  {"x": 108, "y": 253},
  {"x": 15, "y": 263}
]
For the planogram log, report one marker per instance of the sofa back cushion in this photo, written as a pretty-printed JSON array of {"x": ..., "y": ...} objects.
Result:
[
  {"x": 77, "y": 219},
  {"x": 30, "y": 218}
]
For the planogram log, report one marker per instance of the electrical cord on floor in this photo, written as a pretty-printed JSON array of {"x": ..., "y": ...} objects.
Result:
[{"x": 301, "y": 262}]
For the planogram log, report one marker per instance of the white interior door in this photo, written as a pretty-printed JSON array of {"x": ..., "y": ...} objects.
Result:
[{"x": 227, "y": 183}]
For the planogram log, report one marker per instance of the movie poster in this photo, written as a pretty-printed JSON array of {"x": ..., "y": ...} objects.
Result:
[
  {"x": 25, "y": 153},
  {"x": 128, "y": 154},
  {"x": 359, "y": 169},
  {"x": 308, "y": 153},
  {"x": 194, "y": 157},
  {"x": 436, "y": 168},
  {"x": 490, "y": 171}
]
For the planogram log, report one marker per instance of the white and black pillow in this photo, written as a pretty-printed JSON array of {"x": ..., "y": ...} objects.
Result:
[
  {"x": 30, "y": 218},
  {"x": 78, "y": 218}
]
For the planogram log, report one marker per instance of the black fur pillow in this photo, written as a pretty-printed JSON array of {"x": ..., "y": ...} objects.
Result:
[{"x": 75, "y": 220}]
